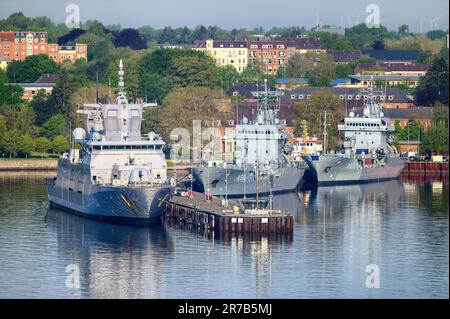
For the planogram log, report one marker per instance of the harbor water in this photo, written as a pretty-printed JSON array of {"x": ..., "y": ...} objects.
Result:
[{"x": 341, "y": 234}]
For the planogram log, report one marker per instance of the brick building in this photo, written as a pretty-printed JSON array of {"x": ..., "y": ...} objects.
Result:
[
  {"x": 271, "y": 53},
  {"x": 15, "y": 45}
]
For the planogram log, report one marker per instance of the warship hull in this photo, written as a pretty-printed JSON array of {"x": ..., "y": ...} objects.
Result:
[
  {"x": 129, "y": 205},
  {"x": 341, "y": 170},
  {"x": 238, "y": 183}
]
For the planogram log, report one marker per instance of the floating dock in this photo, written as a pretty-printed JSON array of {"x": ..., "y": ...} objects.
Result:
[{"x": 195, "y": 211}]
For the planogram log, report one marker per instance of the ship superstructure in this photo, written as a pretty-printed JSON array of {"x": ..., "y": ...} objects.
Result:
[
  {"x": 259, "y": 164},
  {"x": 369, "y": 152},
  {"x": 116, "y": 174}
]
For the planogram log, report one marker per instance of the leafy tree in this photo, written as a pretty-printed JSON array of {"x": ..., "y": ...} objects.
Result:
[
  {"x": 195, "y": 71},
  {"x": 229, "y": 76},
  {"x": 55, "y": 125},
  {"x": 200, "y": 33},
  {"x": 312, "y": 111},
  {"x": 43, "y": 106},
  {"x": 3, "y": 77},
  {"x": 253, "y": 73},
  {"x": 167, "y": 35},
  {"x": 378, "y": 45},
  {"x": 182, "y": 105},
  {"x": 10, "y": 95},
  {"x": 334, "y": 41},
  {"x": 436, "y": 34},
  {"x": 60, "y": 144},
  {"x": 344, "y": 70},
  {"x": 11, "y": 142},
  {"x": 433, "y": 86},
  {"x": 3, "y": 127},
  {"x": 30, "y": 69},
  {"x": 150, "y": 121},
  {"x": 25, "y": 146},
  {"x": 403, "y": 30},
  {"x": 425, "y": 57},
  {"x": 42, "y": 144},
  {"x": 24, "y": 120},
  {"x": 130, "y": 38}
]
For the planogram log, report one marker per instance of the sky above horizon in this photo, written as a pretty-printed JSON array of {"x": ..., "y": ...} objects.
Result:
[{"x": 420, "y": 15}]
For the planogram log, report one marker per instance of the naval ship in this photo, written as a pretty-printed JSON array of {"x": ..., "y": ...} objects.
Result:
[
  {"x": 368, "y": 154},
  {"x": 259, "y": 165},
  {"x": 116, "y": 175}
]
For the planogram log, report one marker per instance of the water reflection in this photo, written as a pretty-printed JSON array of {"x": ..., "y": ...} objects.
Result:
[
  {"x": 115, "y": 261},
  {"x": 402, "y": 226}
]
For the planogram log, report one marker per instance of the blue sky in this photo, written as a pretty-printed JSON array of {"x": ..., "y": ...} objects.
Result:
[{"x": 418, "y": 14}]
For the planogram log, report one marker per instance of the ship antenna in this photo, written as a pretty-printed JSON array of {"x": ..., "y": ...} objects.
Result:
[{"x": 121, "y": 99}]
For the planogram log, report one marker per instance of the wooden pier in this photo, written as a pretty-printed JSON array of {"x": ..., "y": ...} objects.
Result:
[{"x": 195, "y": 211}]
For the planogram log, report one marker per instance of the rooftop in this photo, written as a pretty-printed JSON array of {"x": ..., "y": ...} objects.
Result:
[
  {"x": 344, "y": 56},
  {"x": 393, "y": 55}
]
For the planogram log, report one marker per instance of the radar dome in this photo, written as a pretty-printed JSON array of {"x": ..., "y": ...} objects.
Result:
[
  {"x": 244, "y": 120},
  {"x": 79, "y": 133},
  {"x": 351, "y": 114}
]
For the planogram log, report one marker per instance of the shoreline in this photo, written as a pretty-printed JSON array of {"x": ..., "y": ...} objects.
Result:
[{"x": 18, "y": 165}]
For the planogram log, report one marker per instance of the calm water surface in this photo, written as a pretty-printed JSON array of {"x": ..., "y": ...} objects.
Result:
[{"x": 402, "y": 227}]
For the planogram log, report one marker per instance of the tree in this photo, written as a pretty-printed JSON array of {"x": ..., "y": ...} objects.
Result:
[
  {"x": 42, "y": 144},
  {"x": 182, "y": 105},
  {"x": 24, "y": 121},
  {"x": 60, "y": 144},
  {"x": 10, "y": 95},
  {"x": 229, "y": 76},
  {"x": 200, "y": 33},
  {"x": 378, "y": 45},
  {"x": 25, "y": 146},
  {"x": 403, "y": 30},
  {"x": 433, "y": 87},
  {"x": 195, "y": 71},
  {"x": 55, "y": 125},
  {"x": 312, "y": 111},
  {"x": 150, "y": 121},
  {"x": 44, "y": 106},
  {"x": 11, "y": 142},
  {"x": 436, "y": 34},
  {"x": 425, "y": 57},
  {"x": 130, "y": 38},
  {"x": 30, "y": 69}
]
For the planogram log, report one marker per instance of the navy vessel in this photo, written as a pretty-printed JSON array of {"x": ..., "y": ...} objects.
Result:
[
  {"x": 260, "y": 164},
  {"x": 369, "y": 153},
  {"x": 116, "y": 175}
]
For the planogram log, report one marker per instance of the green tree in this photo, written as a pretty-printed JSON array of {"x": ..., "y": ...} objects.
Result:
[
  {"x": 433, "y": 87},
  {"x": 195, "y": 71},
  {"x": 42, "y": 144},
  {"x": 403, "y": 30},
  {"x": 150, "y": 121},
  {"x": 25, "y": 146},
  {"x": 30, "y": 69},
  {"x": 24, "y": 121},
  {"x": 436, "y": 34},
  {"x": 182, "y": 105},
  {"x": 425, "y": 57},
  {"x": 55, "y": 125},
  {"x": 10, "y": 95},
  {"x": 44, "y": 106},
  {"x": 60, "y": 144},
  {"x": 11, "y": 142},
  {"x": 312, "y": 111},
  {"x": 228, "y": 76}
]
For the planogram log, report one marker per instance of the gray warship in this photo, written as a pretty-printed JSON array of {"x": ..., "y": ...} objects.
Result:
[
  {"x": 369, "y": 153},
  {"x": 259, "y": 165},
  {"x": 116, "y": 175}
]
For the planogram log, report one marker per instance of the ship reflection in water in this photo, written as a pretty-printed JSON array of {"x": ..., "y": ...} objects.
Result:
[{"x": 400, "y": 226}]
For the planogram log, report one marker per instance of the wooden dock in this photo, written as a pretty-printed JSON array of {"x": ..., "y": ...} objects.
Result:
[{"x": 196, "y": 212}]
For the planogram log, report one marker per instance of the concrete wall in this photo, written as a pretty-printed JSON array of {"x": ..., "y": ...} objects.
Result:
[{"x": 20, "y": 165}]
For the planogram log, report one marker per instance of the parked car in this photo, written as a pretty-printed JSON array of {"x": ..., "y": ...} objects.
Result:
[{"x": 414, "y": 158}]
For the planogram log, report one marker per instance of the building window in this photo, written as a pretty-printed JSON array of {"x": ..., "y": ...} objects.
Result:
[
  {"x": 390, "y": 97},
  {"x": 293, "y": 96},
  {"x": 301, "y": 96},
  {"x": 341, "y": 97}
]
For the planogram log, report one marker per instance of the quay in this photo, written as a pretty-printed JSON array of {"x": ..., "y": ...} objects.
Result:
[
  {"x": 28, "y": 164},
  {"x": 195, "y": 211},
  {"x": 440, "y": 168}
]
